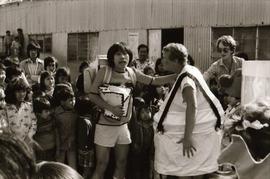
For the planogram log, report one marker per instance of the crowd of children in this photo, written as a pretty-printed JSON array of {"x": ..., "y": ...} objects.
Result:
[
  {"x": 63, "y": 123},
  {"x": 69, "y": 122}
]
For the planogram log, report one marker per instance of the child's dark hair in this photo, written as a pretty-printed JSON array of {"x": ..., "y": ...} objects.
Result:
[
  {"x": 17, "y": 84},
  {"x": 49, "y": 169},
  {"x": 40, "y": 104},
  {"x": 49, "y": 60},
  {"x": 33, "y": 45},
  {"x": 12, "y": 72},
  {"x": 62, "y": 71},
  {"x": 17, "y": 159},
  {"x": 62, "y": 92},
  {"x": 117, "y": 47},
  {"x": 43, "y": 76},
  {"x": 84, "y": 106},
  {"x": 83, "y": 65},
  {"x": 140, "y": 104},
  {"x": 147, "y": 69}
]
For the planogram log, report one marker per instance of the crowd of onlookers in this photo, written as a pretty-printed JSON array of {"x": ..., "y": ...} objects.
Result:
[{"x": 58, "y": 120}]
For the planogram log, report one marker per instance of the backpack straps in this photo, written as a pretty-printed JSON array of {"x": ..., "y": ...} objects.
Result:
[
  {"x": 107, "y": 75},
  {"x": 160, "y": 126},
  {"x": 132, "y": 75},
  {"x": 88, "y": 77}
]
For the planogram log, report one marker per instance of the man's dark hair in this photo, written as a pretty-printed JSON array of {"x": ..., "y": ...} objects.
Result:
[{"x": 143, "y": 46}]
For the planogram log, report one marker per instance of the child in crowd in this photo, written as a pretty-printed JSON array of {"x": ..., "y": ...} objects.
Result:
[
  {"x": 47, "y": 83},
  {"x": 55, "y": 170},
  {"x": 33, "y": 66},
  {"x": 46, "y": 135},
  {"x": 158, "y": 98},
  {"x": 2, "y": 76},
  {"x": 17, "y": 159},
  {"x": 142, "y": 146},
  {"x": 2, "y": 99},
  {"x": 62, "y": 75},
  {"x": 148, "y": 70},
  {"x": 80, "y": 79},
  {"x": 85, "y": 134},
  {"x": 145, "y": 91},
  {"x": 13, "y": 72},
  {"x": 50, "y": 64},
  {"x": 65, "y": 118},
  {"x": 110, "y": 132},
  {"x": 19, "y": 113}
]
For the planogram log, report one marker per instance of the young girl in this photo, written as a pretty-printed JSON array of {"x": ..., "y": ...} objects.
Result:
[
  {"x": 111, "y": 133},
  {"x": 80, "y": 79},
  {"x": 19, "y": 113},
  {"x": 62, "y": 75},
  {"x": 50, "y": 64},
  {"x": 33, "y": 66},
  {"x": 47, "y": 83},
  {"x": 141, "y": 153},
  {"x": 66, "y": 117},
  {"x": 46, "y": 135}
]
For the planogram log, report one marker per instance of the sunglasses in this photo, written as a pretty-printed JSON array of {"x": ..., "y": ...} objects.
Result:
[{"x": 225, "y": 50}]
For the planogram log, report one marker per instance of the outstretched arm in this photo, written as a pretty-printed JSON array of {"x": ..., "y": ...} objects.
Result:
[{"x": 157, "y": 81}]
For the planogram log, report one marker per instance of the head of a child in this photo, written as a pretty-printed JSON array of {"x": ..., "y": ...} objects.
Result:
[
  {"x": 48, "y": 169},
  {"x": 65, "y": 95},
  {"x": 33, "y": 49},
  {"x": 62, "y": 75},
  {"x": 50, "y": 64},
  {"x": 16, "y": 91},
  {"x": 41, "y": 107},
  {"x": 142, "y": 110},
  {"x": 12, "y": 72},
  {"x": 149, "y": 71},
  {"x": 2, "y": 99},
  {"x": 84, "y": 106},
  {"x": 83, "y": 66},
  {"x": 118, "y": 56},
  {"x": 231, "y": 86},
  {"x": 46, "y": 81},
  {"x": 17, "y": 160},
  {"x": 2, "y": 73}
]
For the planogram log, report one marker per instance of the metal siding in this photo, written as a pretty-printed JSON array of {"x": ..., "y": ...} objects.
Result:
[
  {"x": 59, "y": 47},
  {"x": 113, "y": 19},
  {"x": 107, "y": 38},
  {"x": 99, "y": 15},
  {"x": 197, "y": 40},
  {"x": 161, "y": 13}
]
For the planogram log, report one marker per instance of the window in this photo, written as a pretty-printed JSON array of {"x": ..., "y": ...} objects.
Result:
[
  {"x": 45, "y": 42},
  {"x": 172, "y": 36},
  {"x": 82, "y": 46},
  {"x": 2, "y": 46},
  {"x": 253, "y": 41},
  {"x": 158, "y": 38}
]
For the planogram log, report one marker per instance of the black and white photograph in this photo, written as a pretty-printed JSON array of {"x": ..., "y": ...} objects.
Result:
[{"x": 134, "y": 89}]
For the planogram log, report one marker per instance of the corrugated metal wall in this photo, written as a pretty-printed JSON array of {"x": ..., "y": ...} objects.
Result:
[
  {"x": 115, "y": 18},
  {"x": 197, "y": 40},
  {"x": 99, "y": 15}
]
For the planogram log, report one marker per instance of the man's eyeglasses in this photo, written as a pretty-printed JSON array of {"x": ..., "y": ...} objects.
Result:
[{"x": 225, "y": 50}]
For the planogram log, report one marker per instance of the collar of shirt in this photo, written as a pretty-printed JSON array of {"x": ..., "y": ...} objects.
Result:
[
  {"x": 221, "y": 63},
  {"x": 37, "y": 61}
]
